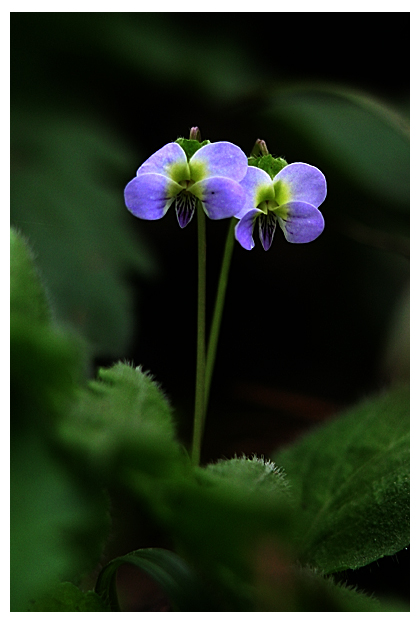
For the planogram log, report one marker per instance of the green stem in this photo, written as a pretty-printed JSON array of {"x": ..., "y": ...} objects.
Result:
[
  {"x": 201, "y": 340},
  {"x": 218, "y": 311}
]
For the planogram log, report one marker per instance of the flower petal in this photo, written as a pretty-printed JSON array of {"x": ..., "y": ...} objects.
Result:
[
  {"x": 245, "y": 227},
  {"x": 304, "y": 183},
  {"x": 304, "y": 222},
  {"x": 185, "y": 204},
  {"x": 149, "y": 196},
  {"x": 255, "y": 181},
  {"x": 221, "y": 197},
  {"x": 221, "y": 159},
  {"x": 170, "y": 160},
  {"x": 267, "y": 226}
]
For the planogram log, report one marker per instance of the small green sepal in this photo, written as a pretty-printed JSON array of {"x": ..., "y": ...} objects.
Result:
[
  {"x": 190, "y": 146},
  {"x": 261, "y": 158},
  {"x": 267, "y": 163}
]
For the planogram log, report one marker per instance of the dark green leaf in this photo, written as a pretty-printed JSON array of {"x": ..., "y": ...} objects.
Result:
[
  {"x": 172, "y": 574},
  {"x": 58, "y": 521},
  {"x": 316, "y": 593},
  {"x": 27, "y": 293},
  {"x": 68, "y": 176},
  {"x": 223, "y": 519},
  {"x": 364, "y": 138},
  {"x": 46, "y": 362},
  {"x": 350, "y": 481},
  {"x": 122, "y": 423},
  {"x": 68, "y": 597}
]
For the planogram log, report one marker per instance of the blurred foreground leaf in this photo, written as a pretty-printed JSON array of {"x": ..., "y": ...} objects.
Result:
[
  {"x": 58, "y": 521},
  {"x": 122, "y": 423},
  {"x": 171, "y": 573},
  {"x": 68, "y": 597},
  {"x": 67, "y": 195},
  {"x": 292, "y": 588},
  {"x": 27, "y": 294},
  {"x": 350, "y": 480},
  {"x": 221, "y": 518}
]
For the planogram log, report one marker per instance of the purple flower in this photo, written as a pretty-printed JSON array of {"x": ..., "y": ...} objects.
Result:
[
  {"x": 290, "y": 199},
  {"x": 211, "y": 177}
]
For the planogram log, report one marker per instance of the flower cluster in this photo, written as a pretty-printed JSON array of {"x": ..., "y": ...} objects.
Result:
[{"x": 217, "y": 177}]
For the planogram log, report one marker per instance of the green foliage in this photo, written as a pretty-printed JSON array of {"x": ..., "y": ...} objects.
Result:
[
  {"x": 281, "y": 586},
  {"x": 66, "y": 179},
  {"x": 255, "y": 477},
  {"x": 223, "y": 517},
  {"x": 27, "y": 294},
  {"x": 312, "y": 592},
  {"x": 122, "y": 423},
  {"x": 358, "y": 135},
  {"x": 350, "y": 482},
  {"x": 240, "y": 524},
  {"x": 58, "y": 521},
  {"x": 45, "y": 361},
  {"x": 286, "y": 589},
  {"x": 68, "y": 597},
  {"x": 174, "y": 576}
]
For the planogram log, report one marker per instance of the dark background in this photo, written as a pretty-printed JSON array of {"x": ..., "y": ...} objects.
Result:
[{"x": 307, "y": 329}]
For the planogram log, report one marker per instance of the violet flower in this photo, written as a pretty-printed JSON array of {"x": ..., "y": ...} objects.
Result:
[
  {"x": 290, "y": 199},
  {"x": 211, "y": 176}
]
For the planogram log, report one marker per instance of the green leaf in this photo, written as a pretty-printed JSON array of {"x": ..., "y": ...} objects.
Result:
[
  {"x": 222, "y": 518},
  {"x": 316, "y": 593},
  {"x": 253, "y": 478},
  {"x": 46, "y": 365},
  {"x": 67, "y": 597},
  {"x": 27, "y": 292},
  {"x": 67, "y": 179},
  {"x": 122, "y": 423},
  {"x": 46, "y": 362},
  {"x": 362, "y": 137},
  {"x": 350, "y": 481},
  {"x": 172, "y": 574},
  {"x": 281, "y": 586},
  {"x": 59, "y": 520}
]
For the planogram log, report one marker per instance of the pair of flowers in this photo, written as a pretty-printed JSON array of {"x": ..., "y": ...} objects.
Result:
[{"x": 218, "y": 176}]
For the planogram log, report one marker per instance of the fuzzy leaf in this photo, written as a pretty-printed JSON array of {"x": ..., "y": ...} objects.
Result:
[
  {"x": 123, "y": 423},
  {"x": 58, "y": 519},
  {"x": 27, "y": 293},
  {"x": 45, "y": 361},
  {"x": 67, "y": 597},
  {"x": 222, "y": 518},
  {"x": 350, "y": 481}
]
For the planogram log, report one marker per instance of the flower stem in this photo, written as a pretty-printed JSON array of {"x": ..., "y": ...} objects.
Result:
[
  {"x": 218, "y": 311},
  {"x": 201, "y": 340}
]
